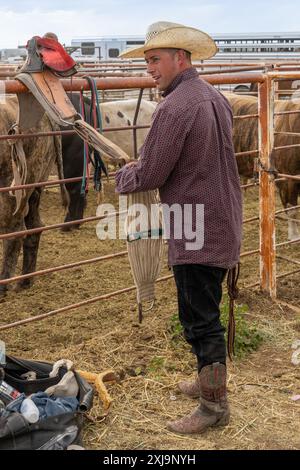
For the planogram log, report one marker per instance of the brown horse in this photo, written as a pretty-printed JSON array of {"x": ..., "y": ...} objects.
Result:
[
  {"x": 245, "y": 135},
  {"x": 21, "y": 211}
]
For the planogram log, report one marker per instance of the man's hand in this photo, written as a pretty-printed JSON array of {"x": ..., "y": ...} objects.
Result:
[{"x": 133, "y": 163}]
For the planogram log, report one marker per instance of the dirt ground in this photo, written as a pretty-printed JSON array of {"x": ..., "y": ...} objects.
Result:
[{"x": 107, "y": 335}]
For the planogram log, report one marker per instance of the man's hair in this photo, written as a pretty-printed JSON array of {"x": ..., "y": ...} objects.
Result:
[
  {"x": 188, "y": 55},
  {"x": 173, "y": 51}
]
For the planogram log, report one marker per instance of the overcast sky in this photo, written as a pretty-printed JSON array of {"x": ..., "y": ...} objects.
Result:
[{"x": 20, "y": 20}]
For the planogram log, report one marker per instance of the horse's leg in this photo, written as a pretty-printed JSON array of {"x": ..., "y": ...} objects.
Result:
[
  {"x": 31, "y": 242},
  {"x": 288, "y": 191},
  {"x": 293, "y": 225},
  {"x": 76, "y": 205},
  {"x": 11, "y": 251}
]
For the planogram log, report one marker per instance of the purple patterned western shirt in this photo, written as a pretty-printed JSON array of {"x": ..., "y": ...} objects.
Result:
[{"x": 188, "y": 155}]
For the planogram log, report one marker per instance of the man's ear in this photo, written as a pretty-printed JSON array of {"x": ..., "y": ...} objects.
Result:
[{"x": 181, "y": 55}]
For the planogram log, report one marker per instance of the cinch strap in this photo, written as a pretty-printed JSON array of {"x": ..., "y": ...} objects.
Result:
[{"x": 155, "y": 233}]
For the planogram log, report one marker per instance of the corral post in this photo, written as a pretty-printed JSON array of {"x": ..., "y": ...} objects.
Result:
[{"x": 266, "y": 188}]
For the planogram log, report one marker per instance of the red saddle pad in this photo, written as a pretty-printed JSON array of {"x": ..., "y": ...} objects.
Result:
[{"x": 54, "y": 55}]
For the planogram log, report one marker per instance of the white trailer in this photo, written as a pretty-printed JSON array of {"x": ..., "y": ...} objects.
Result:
[
  {"x": 232, "y": 46},
  {"x": 102, "y": 48}
]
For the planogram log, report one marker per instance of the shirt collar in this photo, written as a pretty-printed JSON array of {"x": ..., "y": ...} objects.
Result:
[{"x": 181, "y": 77}]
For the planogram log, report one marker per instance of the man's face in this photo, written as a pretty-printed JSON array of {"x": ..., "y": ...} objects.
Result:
[{"x": 163, "y": 66}]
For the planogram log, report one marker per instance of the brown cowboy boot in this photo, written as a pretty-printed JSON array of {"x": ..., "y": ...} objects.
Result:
[
  {"x": 190, "y": 388},
  {"x": 213, "y": 409}
]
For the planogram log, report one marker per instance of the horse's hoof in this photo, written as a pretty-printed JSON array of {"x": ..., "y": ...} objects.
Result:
[
  {"x": 24, "y": 284},
  {"x": 66, "y": 228},
  {"x": 3, "y": 291},
  {"x": 69, "y": 228}
]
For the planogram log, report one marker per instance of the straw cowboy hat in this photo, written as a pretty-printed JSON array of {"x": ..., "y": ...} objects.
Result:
[{"x": 165, "y": 35}]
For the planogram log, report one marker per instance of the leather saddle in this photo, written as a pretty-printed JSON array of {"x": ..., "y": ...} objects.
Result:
[
  {"x": 46, "y": 53},
  {"x": 46, "y": 63}
]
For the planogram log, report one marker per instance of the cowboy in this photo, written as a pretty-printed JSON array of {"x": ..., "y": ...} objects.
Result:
[{"x": 188, "y": 155}]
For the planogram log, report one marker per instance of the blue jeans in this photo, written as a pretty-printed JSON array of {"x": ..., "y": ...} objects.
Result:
[{"x": 199, "y": 291}]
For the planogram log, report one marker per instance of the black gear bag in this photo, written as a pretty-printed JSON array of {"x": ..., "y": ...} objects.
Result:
[{"x": 52, "y": 433}]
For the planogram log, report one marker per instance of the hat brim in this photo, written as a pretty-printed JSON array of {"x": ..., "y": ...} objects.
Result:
[{"x": 199, "y": 44}]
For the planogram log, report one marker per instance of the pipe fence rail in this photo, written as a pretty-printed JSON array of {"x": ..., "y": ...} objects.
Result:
[
  {"x": 76, "y": 305},
  {"x": 266, "y": 181}
]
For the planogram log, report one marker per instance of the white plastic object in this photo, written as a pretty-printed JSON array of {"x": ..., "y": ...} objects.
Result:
[
  {"x": 29, "y": 410},
  {"x": 2, "y": 353}
]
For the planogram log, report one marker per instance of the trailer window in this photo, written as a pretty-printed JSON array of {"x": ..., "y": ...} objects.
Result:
[
  {"x": 113, "y": 53},
  {"x": 87, "y": 48},
  {"x": 134, "y": 43}
]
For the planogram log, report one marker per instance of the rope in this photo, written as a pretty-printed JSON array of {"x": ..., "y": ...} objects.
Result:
[
  {"x": 19, "y": 167},
  {"x": 85, "y": 173},
  {"x": 96, "y": 122},
  {"x": 259, "y": 165},
  {"x": 233, "y": 291}
]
